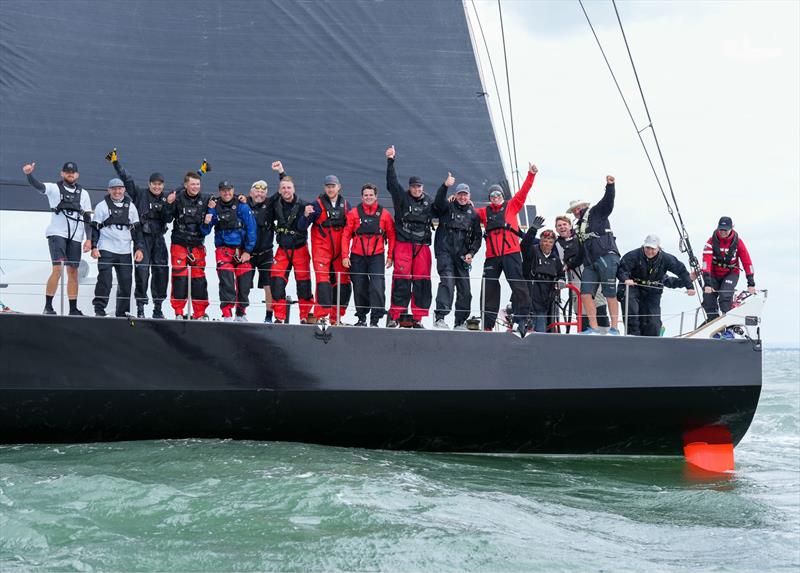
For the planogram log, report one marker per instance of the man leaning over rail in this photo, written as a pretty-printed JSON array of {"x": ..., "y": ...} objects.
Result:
[
  {"x": 644, "y": 272},
  {"x": 69, "y": 224}
]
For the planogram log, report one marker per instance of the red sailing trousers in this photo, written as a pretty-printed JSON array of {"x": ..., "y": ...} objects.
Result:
[
  {"x": 234, "y": 281},
  {"x": 411, "y": 280},
  {"x": 286, "y": 260},
  {"x": 331, "y": 276},
  {"x": 184, "y": 258}
]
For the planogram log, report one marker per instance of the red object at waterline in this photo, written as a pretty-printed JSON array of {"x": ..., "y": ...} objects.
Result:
[{"x": 717, "y": 458}]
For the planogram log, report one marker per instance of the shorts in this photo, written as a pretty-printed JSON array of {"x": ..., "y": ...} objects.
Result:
[
  {"x": 262, "y": 262},
  {"x": 603, "y": 271},
  {"x": 63, "y": 250}
]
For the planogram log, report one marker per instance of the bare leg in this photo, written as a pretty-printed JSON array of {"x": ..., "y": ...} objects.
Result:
[
  {"x": 268, "y": 297},
  {"x": 53, "y": 280},
  {"x": 72, "y": 283},
  {"x": 613, "y": 310},
  {"x": 590, "y": 309}
]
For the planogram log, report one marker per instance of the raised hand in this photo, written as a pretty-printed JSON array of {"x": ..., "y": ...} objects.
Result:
[
  {"x": 610, "y": 179},
  {"x": 28, "y": 168},
  {"x": 112, "y": 156},
  {"x": 532, "y": 168},
  {"x": 390, "y": 153},
  {"x": 450, "y": 181},
  {"x": 277, "y": 166},
  {"x": 538, "y": 222},
  {"x": 212, "y": 203}
]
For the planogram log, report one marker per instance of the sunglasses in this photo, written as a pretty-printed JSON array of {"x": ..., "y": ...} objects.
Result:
[{"x": 262, "y": 187}]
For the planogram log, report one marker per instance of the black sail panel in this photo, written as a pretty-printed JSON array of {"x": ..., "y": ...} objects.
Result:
[{"x": 323, "y": 86}]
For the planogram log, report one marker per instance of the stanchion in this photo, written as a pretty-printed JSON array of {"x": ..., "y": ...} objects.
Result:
[
  {"x": 189, "y": 290},
  {"x": 483, "y": 302},
  {"x": 627, "y": 303},
  {"x": 338, "y": 296},
  {"x": 61, "y": 279}
]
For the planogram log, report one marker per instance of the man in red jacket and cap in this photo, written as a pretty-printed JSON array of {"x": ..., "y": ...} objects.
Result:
[
  {"x": 723, "y": 257},
  {"x": 501, "y": 228},
  {"x": 369, "y": 226}
]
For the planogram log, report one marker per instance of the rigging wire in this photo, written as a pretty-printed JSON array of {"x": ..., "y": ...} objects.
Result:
[
  {"x": 685, "y": 244},
  {"x": 510, "y": 107},
  {"x": 496, "y": 87}
]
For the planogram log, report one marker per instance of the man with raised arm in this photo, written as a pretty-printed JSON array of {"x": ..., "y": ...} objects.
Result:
[
  {"x": 600, "y": 256},
  {"x": 151, "y": 203},
  {"x": 115, "y": 229},
  {"x": 289, "y": 214},
  {"x": 458, "y": 238},
  {"x": 369, "y": 227},
  {"x": 186, "y": 209},
  {"x": 333, "y": 281},
  {"x": 501, "y": 230},
  {"x": 70, "y": 224},
  {"x": 413, "y": 215}
]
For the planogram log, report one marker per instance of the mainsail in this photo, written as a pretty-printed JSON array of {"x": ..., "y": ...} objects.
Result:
[{"x": 323, "y": 86}]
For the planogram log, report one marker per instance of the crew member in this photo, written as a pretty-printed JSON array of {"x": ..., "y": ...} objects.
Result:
[
  {"x": 413, "y": 216},
  {"x": 151, "y": 203},
  {"x": 644, "y": 272},
  {"x": 723, "y": 257},
  {"x": 187, "y": 208},
  {"x": 600, "y": 256},
  {"x": 501, "y": 228},
  {"x": 571, "y": 254},
  {"x": 333, "y": 281},
  {"x": 458, "y": 238},
  {"x": 114, "y": 229},
  {"x": 547, "y": 274},
  {"x": 261, "y": 260},
  {"x": 369, "y": 228},
  {"x": 289, "y": 214},
  {"x": 234, "y": 239},
  {"x": 69, "y": 223}
]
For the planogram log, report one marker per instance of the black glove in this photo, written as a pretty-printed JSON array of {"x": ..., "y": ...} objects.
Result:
[{"x": 538, "y": 223}]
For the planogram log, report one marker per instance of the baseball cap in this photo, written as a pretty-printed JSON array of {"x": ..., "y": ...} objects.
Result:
[
  {"x": 331, "y": 180},
  {"x": 70, "y": 166},
  {"x": 414, "y": 181},
  {"x": 652, "y": 241},
  {"x": 156, "y": 177},
  {"x": 725, "y": 224},
  {"x": 225, "y": 184},
  {"x": 114, "y": 182},
  {"x": 462, "y": 188}
]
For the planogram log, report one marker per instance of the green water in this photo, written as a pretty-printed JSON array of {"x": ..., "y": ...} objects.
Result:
[{"x": 247, "y": 506}]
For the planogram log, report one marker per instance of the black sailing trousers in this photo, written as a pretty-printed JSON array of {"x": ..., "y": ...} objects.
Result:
[
  {"x": 123, "y": 266},
  {"x": 644, "y": 311},
  {"x": 721, "y": 300},
  {"x": 453, "y": 277},
  {"x": 369, "y": 286},
  {"x": 154, "y": 268},
  {"x": 511, "y": 266}
]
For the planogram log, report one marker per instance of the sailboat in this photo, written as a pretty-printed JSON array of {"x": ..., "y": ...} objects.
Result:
[{"x": 323, "y": 85}]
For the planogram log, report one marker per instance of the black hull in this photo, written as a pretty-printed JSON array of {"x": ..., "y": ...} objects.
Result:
[{"x": 86, "y": 379}]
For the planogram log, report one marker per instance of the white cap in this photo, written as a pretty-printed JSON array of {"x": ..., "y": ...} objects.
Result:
[{"x": 652, "y": 241}]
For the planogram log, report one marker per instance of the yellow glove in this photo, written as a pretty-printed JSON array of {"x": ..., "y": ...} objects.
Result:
[
  {"x": 205, "y": 167},
  {"x": 111, "y": 156}
]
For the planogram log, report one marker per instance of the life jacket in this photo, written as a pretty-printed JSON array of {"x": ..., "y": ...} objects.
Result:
[
  {"x": 416, "y": 220},
  {"x": 189, "y": 215},
  {"x": 289, "y": 237},
  {"x": 70, "y": 200},
  {"x": 265, "y": 235},
  {"x": 725, "y": 261},
  {"x": 335, "y": 214},
  {"x": 460, "y": 219},
  {"x": 595, "y": 236},
  {"x": 649, "y": 272},
  {"x": 227, "y": 216},
  {"x": 152, "y": 216},
  {"x": 118, "y": 216},
  {"x": 496, "y": 220},
  {"x": 584, "y": 234},
  {"x": 369, "y": 224},
  {"x": 545, "y": 267}
]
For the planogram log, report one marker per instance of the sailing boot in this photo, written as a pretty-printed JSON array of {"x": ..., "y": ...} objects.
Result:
[
  {"x": 139, "y": 310},
  {"x": 157, "y": 312}
]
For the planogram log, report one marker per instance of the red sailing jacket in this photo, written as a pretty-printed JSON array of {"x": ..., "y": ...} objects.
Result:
[
  {"x": 367, "y": 245},
  {"x": 323, "y": 237},
  {"x": 506, "y": 241},
  {"x": 740, "y": 260}
]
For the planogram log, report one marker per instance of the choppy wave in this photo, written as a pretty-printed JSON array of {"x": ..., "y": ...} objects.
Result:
[{"x": 202, "y": 505}]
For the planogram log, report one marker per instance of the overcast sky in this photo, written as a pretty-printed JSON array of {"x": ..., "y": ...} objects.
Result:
[{"x": 723, "y": 87}]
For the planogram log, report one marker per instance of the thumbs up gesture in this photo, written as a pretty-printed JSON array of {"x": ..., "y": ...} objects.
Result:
[
  {"x": 28, "y": 168},
  {"x": 450, "y": 181},
  {"x": 390, "y": 152}
]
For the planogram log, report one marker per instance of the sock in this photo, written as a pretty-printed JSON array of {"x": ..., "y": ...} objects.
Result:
[
  {"x": 48, "y": 302},
  {"x": 73, "y": 304}
]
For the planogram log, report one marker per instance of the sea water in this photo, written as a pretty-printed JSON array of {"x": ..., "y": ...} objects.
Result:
[{"x": 202, "y": 505}]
